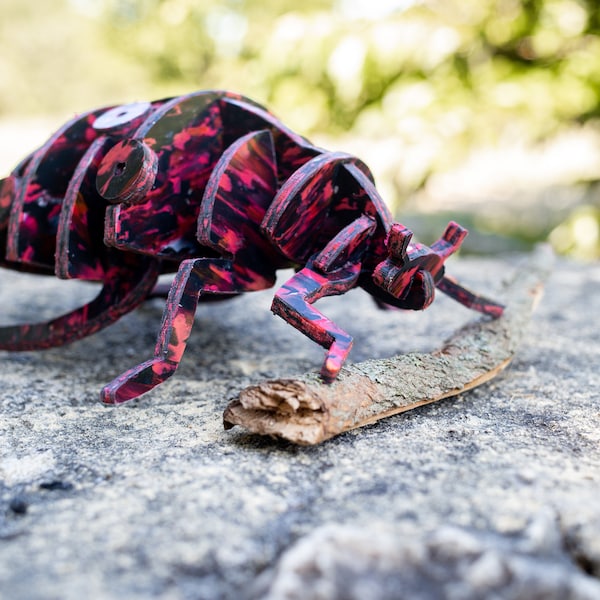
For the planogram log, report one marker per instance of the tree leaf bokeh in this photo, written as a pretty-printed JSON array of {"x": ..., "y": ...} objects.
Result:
[{"x": 418, "y": 89}]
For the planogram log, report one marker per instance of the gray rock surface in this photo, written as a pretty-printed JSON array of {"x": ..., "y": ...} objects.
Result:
[
  {"x": 491, "y": 494},
  {"x": 342, "y": 561}
]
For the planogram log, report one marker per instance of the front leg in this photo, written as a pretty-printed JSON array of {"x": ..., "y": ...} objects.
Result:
[
  {"x": 333, "y": 271},
  {"x": 194, "y": 278},
  {"x": 470, "y": 299},
  {"x": 293, "y": 303}
]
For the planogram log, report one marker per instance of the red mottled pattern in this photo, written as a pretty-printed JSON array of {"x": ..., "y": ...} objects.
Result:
[
  {"x": 8, "y": 189},
  {"x": 311, "y": 191},
  {"x": 80, "y": 252},
  {"x": 36, "y": 207},
  {"x": 216, "y": 190},
  {"x": 8, "y": 194},
  {"x": 412, "y": 270},
  {"x": 467, "y": 298},
  {"x": 186, "y": 137},
  {"x": 238, "y": 193},
  {"x": 293, "y": 301},
  {"x": 292, "y": 150},
  {"x": 194, "y": 277},
  {"x": 125, "y": 290},
  {"x": 348, "y": 246},
  {"x": 127, "y": 172}
]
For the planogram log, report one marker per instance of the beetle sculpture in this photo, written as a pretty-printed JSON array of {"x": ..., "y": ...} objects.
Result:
[{"x": 212, "y": 187}]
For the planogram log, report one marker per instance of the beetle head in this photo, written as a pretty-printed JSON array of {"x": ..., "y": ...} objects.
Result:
[{"x": 411, "y": 270}]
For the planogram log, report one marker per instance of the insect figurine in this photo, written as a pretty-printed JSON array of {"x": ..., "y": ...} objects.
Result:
[{"x": 212, "y": 188}]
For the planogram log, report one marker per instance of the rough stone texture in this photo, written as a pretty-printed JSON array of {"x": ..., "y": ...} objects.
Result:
[
  {"x": 492, "y": 493},
  {"x": 345, "y": 562}
]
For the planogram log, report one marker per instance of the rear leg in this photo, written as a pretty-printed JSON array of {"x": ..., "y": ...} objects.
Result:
[
  {"x": 122, "y": 291},
  {"x": 194, "y": 278}
]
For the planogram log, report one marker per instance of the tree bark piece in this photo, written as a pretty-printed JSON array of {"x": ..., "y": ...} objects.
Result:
[{"x": 306, "y": 411}]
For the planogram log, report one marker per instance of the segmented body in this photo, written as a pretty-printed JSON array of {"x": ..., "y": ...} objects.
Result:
[{"x": 212, "y": 187}]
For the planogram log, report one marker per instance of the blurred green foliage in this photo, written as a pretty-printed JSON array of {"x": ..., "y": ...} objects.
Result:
[{"x": 427, "y": 82}]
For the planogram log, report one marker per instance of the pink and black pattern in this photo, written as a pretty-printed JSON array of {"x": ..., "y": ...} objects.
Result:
[{"x": 213, "y": 188}]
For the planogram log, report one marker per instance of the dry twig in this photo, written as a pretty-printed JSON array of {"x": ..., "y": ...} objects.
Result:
[{"x": 306, "y": 411}]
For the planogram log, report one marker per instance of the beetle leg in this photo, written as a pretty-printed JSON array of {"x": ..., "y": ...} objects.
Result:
[
  {"x": 467, "y": 298},
  {"x": 194, "y": 277},
  {"x": 293, "y": 302},
  {"x": 121, "y": 293},
  {"x": 333, "y": 271}
]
